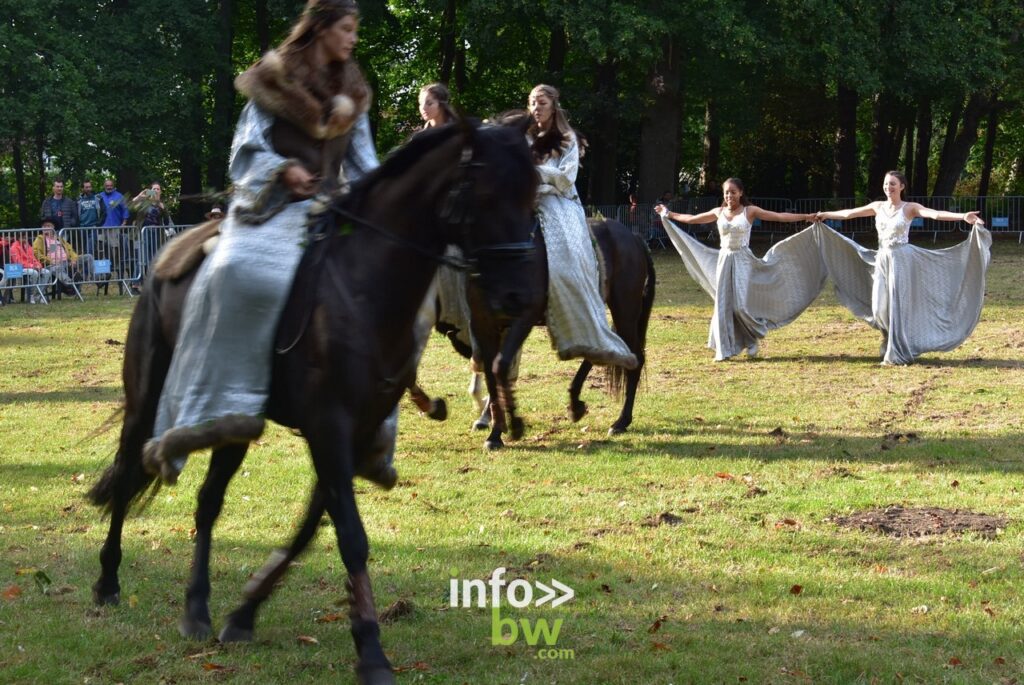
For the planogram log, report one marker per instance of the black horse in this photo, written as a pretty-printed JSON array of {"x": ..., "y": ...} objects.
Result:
[
  {"x": 356, "y": 296},
  {"x": 629, "y": 283}
]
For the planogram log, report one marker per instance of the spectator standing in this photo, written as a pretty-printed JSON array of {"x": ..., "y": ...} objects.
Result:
[
  {"x": 113, "y": 237},
  {"x": 62, "y": 211},
  {"x": 91, "y": 214},
  {"x": 152, "y": 214}
]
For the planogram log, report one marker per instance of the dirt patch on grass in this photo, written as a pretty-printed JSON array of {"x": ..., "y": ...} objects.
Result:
[{"x": 903, "y": 522}]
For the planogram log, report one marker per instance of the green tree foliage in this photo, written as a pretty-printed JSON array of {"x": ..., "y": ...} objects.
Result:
[{"x": 799, "y": 97}]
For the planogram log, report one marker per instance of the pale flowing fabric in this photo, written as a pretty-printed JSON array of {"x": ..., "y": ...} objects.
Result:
[
  {"x": 751, "y": 296},
  {"x": 222, "y": 362},
  {"x": 576, "y": 318},
  {"x": 921, "y": 300}
]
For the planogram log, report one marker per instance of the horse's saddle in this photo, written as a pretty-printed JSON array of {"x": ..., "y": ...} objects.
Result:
[{"x": 187, "y": 251}]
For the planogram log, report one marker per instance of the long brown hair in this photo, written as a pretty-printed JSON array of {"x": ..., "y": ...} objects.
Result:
[
  {"x": 337, "y": 77},
  {"x": 443, "y": 97},
  {"x": 559, "y": 136}
]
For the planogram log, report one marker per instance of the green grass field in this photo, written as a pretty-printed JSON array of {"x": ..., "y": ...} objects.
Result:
[{"x": 683, "y": 539}]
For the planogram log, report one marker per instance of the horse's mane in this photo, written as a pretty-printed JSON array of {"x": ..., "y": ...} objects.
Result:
[{"x": 400, "y": 161}]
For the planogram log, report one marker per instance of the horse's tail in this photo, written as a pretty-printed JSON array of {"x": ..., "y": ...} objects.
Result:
[
  {"x": 616, "y": 376},
  {"x": 123, "y": 477},
  {"x": 146, "y": 358}
]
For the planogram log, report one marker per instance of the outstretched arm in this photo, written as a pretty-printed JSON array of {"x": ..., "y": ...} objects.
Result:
[
  {"x": 705, "y": 218},
  {"x": 866, "y": 210},
  {"x": 755, "y": 212},
  {"x": 914, "y": 209}
]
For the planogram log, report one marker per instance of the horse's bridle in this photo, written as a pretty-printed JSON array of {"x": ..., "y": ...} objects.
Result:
[{"x": 458, "y": 213}]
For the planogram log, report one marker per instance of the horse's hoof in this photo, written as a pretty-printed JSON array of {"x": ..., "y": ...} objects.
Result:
[
  {"x": 438, "y": 410},
  {"x": 195, "y": 629},
  {"x": 516, "y": 428},
  {"x": 112, "y": 600},
  {"x": 481, "y": 425},
  {"x": 375, "y": 676},
  {"x": 492, "y": 444},
  {"x": 616, "y": 430},
  {"x": 232, "y": 633},
  {"x": 577, "y": 410}
]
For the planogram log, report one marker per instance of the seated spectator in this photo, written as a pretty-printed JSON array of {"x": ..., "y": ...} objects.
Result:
[
  {"x": 60, "y": 258},
  {"x": 35, "y": 273}
]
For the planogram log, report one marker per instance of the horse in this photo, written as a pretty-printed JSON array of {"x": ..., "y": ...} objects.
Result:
[
  {"x": 629, "y": 285},
  {"x": 348, "y": 359}
]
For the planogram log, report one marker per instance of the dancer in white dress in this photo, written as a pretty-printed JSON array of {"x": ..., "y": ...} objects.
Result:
[
  {"x": 752, "y": 296},
  {"x": 921, "y": 300},
  {"x": 576, "y": 317}
]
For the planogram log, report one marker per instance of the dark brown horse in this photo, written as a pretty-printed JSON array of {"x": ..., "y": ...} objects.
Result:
[
  {"x": 629, "y": 293},
  {"x": 357, "y": 291}
]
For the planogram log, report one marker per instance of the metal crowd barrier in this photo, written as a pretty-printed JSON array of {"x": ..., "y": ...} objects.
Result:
[{"x": 119, "y": 255}]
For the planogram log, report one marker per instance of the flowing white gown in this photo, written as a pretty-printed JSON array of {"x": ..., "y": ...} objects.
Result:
[
  {"x": 752, "y": 296},
  {"x": 576, "y": 317},
  {"x": 921, "y": 300}
]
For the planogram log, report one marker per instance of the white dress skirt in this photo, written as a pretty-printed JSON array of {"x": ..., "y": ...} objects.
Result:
[
  {"x": 751, "y": 296},
  {"x": 921, "y": 300}
]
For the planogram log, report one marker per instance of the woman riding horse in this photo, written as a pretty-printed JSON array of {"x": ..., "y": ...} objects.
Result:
[{"x": 304, "y": 133}]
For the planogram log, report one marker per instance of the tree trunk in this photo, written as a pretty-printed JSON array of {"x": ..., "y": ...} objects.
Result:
[
  {"x": 557, "y": 50},
  {"x": 24, "y": 214},
  {"x": 219, "y": 133},
  {"x": 461, "y": 80},
  {"x": 844, "y": 179},
  {"x": 990, "y": 144},
  {"x": 447, "y": 41},
  {"x": 262, "y": 26},
  {"x": 919, "y": 181},
  {"x": 660, "y": 128},
  {"x": 44, "y": 191},
  {"x": 882, "y": 142},
  {"x": 955, "y": 154},
  {"x": 604, "y": 142},
  {"x": 908, "y": 151},
  {"x": 709, "y": 173}
]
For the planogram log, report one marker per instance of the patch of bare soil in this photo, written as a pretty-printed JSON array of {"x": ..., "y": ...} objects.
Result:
[{"x": 903, "y": 522}]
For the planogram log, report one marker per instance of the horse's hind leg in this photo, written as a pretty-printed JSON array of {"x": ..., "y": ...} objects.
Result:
[
  {"x": 241, "y": 623},
  {"x": 577, "y": 407},
  {"x": 196, "y": 624}
]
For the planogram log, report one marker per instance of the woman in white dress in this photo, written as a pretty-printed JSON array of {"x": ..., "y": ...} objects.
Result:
[
  {"x": 575, "y": 315},
  {"x": 921, "y": 300},
  {"x": 304, "y": 132},
  {"x": 752, "y": 296}
]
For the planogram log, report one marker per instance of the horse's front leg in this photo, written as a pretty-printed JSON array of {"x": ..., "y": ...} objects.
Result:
[
  {"x": 195, "y": 623},
  {"x": 333, "y": 457},
  {"x": 241, "y": 623}
]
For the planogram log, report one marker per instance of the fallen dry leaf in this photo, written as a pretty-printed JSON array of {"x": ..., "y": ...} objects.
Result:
[
  {"x": 307, "y": 640},
  {"x": 725, "y": 476},
  {"x": 796, "y": 589},
  {"x": 417, "y": 666},
  {"x": 210, "y": 666},
  {"x": 955, "y": 662},
  {"x": 660, "y": 646},
  {"x": 11, "y": 592},
  {"x": 999, "y": 661},
  {"x": 656, "y": 626},
  {"x": 402, "y": 607},
  {"x": 331, "y": 618}
]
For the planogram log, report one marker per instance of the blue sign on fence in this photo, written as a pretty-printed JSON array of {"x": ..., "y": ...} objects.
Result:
[
  {"x": 101, "y": 266},
  {"x": 13, "y": 271}
]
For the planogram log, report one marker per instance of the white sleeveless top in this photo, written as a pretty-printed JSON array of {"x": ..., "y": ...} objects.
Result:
[
  {"x": 893, "y": 230},
  {"x": 734, "y": 234}
]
